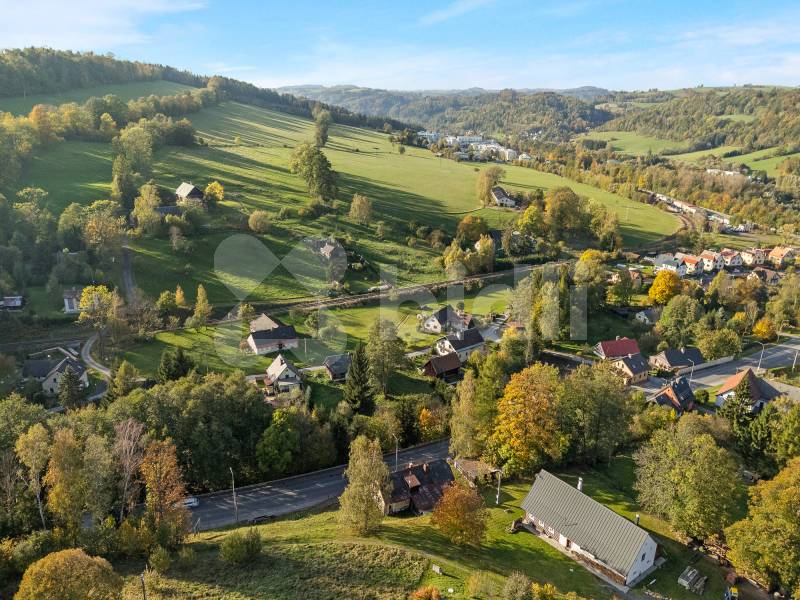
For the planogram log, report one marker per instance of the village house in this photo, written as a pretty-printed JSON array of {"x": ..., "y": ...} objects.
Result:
[
  {"x": 462, "y": 343},
  {"x": 418, "y": 487},
  {"x": 72, "y": 300},
  {"x": 445, "y": 320},
  {"x": 282, "y": 377},
  {"x": 677, "y": 395},
  {"x": 693, "y": 264},
  {"x": 501, "y": 198},
  {"x": 731, "y": 258},
  {"x": 617, "y": 348},
  {"x": 712, "y": 261},
  {"x": 446, "y": 366},
  {"x": 337, "y": 366},
  {"x": 761, "y": 391},
  {"x": 648, "y": 316},
  {"x": 591, "y": 533},
  {"x": 675, "y": 359},
  {"x": 781, "y": 256},
  {"x": 766, "y": 276},
  {"x": 12, "y": 302},
  {"x": 632, "y": 368},
  {"x": 667, "y": 262},
  {"x": 189, "y": 194},
  {"x": 49, "y": 372},
  {"x": 268, "y": 334},
  {"x": 753, "y": 257}
]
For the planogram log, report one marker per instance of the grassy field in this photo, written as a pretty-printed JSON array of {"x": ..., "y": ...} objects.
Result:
[
  {"x": 763, "y": 160},
  {"x": 20, "y": 105},
  {"x": 700, "y": 154},
  {"x": 630, "y": 142},
  {"x": 411, "y": 545}
]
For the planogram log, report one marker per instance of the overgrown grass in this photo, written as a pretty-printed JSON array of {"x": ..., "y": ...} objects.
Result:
[{"x": 20, "y": 105}]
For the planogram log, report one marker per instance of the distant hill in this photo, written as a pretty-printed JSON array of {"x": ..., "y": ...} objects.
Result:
[{"x": 553, "y": 114}]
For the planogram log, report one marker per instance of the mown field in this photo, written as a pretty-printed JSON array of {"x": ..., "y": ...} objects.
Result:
[
  {"x": 630, "y": 142},
  {"x": 700, "y": 154},
  {"x": 399, "y": 557},
  {"x": 20, "y": 105}
]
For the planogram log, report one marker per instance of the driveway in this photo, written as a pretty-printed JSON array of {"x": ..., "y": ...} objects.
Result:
[{"x": 285, "y": 496}]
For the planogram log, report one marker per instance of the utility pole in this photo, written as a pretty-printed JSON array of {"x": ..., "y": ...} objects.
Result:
[
  {"x": 760, "y": 356},
  {"x": 233, "y": 491},
  {"x": 396, "y": 451},
  {"x": 794, "y": 362},
  {"x": 691, "y": 373},
  {"x": 144, "y": 587},
  {"x": 497, "y": 498}
]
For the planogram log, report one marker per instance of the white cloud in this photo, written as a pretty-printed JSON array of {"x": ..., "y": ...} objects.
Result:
[
  {"x": 456, "y": 9},
  {"x": 82, "y": 24}
]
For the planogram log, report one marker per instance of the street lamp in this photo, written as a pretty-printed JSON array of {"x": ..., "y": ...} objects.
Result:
[
  {"x": 691, "y": 373},
  {"x": 760, "y": 356},
  {"x": 233, "y": 492},
  {"x": 396, "y": 450},
  {"x": 497, "y": 498}
]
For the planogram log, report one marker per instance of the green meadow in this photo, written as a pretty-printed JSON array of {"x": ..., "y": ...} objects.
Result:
[
  {"x": 22, "y": 105},
  {"x": 630, "y": 142},
  {"x": 700, "y": 154}
]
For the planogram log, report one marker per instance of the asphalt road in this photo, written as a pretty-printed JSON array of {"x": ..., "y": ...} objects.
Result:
[{"x": 285, "y": 496}]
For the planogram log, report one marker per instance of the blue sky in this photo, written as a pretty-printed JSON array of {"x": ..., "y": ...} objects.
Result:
[{"x": 617, "y": 44}]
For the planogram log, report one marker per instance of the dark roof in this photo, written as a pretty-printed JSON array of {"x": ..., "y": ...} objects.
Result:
[
  {"x": 635, "y": 363},
  {"x": 760, "y": 390},
  {"x": 423, "y": 483},
  {"x": 445, "y": 315},
  {"x": 38, "y": 368},
  {"x": 678, "y": 358},
  {"x": 499, "y": 192},
  {"x": 169, "y": 209},
  {"x": 678, "y": 395},
  {"x": 619, "y": 347},
  {"x": 266, "y": 338},
  {"x": 73, "y": 364},
  {"x": 610, "y": 538},
  {"x": 337, "y": 363},
  {"x": 187, "y": 190},
  {"x": 443, "y": 364},
  {"x": 465, "y": 339}
]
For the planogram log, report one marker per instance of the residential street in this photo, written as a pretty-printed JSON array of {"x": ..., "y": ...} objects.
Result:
[{"x": 285, "y": 496}]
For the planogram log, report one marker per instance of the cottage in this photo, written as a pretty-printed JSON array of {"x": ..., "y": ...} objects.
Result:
[
  {"x": 731, "y": 258},
  {"x": 462, "y": 343},
  {"x": 502, "y": 199},
  {"x": 337, "y": 366},
  {"x": 446, "y": 366},
  {"x": 189, "y": 194},
  {"x": 611, "y": 349},
  {"x": 667, "y": 262},
  {"x": 781, "y": 256},
  {"x": 693, "y": 264},
  {"x": 677, "y": 395},
  {"x": 282, "y": 377},
  {"x": 766, "y": 276},
  {"x": 592, "y": 534},
  {"x": 477, "y": 472},
  {"x": 49, "y": 372},
  {"x": 12, "y": 302},
  {"x": 753, "y": 257},
  {"x": 761, "y": 392},
  {"x": 648, "y": 316},
  {"x": 632, "y": 368},
  {"x": 418, "y": 487},
  {"x": 268, "y": 334},
  {"x": 675, "y": 359},
  {"x": 72, "y": 300},
  {"x": 712, "y": 261},
  {"x": 445, "y": 320}
]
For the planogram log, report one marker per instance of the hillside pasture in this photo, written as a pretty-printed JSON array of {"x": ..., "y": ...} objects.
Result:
[
  {"x": 22, "y": 105},
  {"x": 698, "y": 155},
  {"x": 630, "y": 142}
]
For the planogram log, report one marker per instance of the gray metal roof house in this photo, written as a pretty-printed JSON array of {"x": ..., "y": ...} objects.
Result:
[{"x": 591, "y": 533}]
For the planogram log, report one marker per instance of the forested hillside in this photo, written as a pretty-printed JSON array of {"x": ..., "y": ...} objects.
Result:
[
  {"x": 554, "y": 115},
  {"x": 752, "y": 118}
]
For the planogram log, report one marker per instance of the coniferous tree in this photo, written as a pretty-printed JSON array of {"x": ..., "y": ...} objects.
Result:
[
  {"x": 174, "y": 365},
  {"x": 357, "y": 391},
  {"x": 202, "y": 308},
  {"x": 70, "y": 391}
]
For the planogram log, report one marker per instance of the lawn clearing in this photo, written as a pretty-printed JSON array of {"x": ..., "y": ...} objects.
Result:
[
  {"x": 630, "y": 142},
  {"x": 763, "y": 160},
  {"x": 701, "y": 154},
  {"x": 22, "y": 105}
]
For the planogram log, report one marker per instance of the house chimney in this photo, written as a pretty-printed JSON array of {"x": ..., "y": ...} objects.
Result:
[
  {"x": 580, "y": 484},
  {"x": 425, "y": 467}
]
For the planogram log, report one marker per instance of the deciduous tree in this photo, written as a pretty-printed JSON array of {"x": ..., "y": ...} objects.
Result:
[
  {"x": 33, "y": 451},
  {"x": 368, "y": 480},
  {"x": 461, "y": 515},
  {"x": 165, "y": 491},
  {"x": 70, "y": 575},
  {"x": 666, "y": 285},
  {"x": 129, "y": 439},
  {"x": 360, "y": 209},
  {"x": 384, "y": 352}
]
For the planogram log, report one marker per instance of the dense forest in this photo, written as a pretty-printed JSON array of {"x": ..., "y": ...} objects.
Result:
[
  {"x": 753, "y": 118},
  {"x": 552, "y": 115}
]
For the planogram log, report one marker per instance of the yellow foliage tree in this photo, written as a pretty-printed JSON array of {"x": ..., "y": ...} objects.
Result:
[
  {"x": 666, "y": 285},
  {"x": 70, "y": 575},
  {"x": 461, "y": 515},
  {"x": 765, "y": 330},
  {"x": 214, "y": 192}
]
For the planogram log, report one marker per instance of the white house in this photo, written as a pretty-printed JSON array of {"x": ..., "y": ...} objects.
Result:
[
  {"x": 502, "y": 199},
  {"x": 268, "y": 334},
  {"x": 753, "y": 257},
  {"x": 72, "y": 300},
  {"x": 667, "y": 262},
  {"x": 508, "y": 154},
  {"x": 462, "y": 343},
  {"x": 712, "y": 261},
  {"x": 282, "y": 377},
  {"x": 591, "y": 533},
  {"x": 525, "y": 156},
  {"x": 731, "y": 258},
  {"x": 780, "y": 256},
  {"x": 49, "y": 372},
  {"x": 446, "y": 319},
  {"x": 648, "y": 316}
]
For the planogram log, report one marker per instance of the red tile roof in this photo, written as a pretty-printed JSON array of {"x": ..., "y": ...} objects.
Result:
[{"x": 621, "y": 347}]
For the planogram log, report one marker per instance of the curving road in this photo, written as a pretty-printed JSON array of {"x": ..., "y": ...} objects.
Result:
[{"x": 285, "y": 496}]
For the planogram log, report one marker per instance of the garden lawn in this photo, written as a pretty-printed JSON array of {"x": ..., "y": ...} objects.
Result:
[
  {"x": 20, "y": 105},
  {"x": 630, "y": 142}
]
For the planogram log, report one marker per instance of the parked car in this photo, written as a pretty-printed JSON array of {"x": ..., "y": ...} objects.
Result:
[{"x": 191, "y": 502}]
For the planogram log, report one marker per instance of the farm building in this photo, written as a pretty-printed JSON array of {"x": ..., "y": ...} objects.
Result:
[
  {"x": 190, "y": 194},
  {"x": 418, "y": 487},
  {"x": 268, "y": 334},
  {"x": 502, "y": 199},
  {"x": 446, "y": 366},
  {"x": 337, "y": 366},
  {"x": 592, "y": 533},
  {"x": 610, "y": 349}
]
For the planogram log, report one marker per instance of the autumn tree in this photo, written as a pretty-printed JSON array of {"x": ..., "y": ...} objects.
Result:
[
  {"x": 678, "y": 318},
  {"x": 214, "y": 193},
  {"x": 465, "y": 437},
  {"x": 66, "y": 482},
  {"x": 202, "y": 309},
  {"x": 460, "y": 515},
  {"x": 165, "y": 491},
  {"x": 129, "y": 438},
  {"x": 526, "y": 434},
  {"x": 33, "y": 451},
  {"x": 70, "y": 575},
  {"x": 368, "y": 480},
  {"x": 765, "y": 330},
  {"x": 487, "y": 179},
  {"x": 357, "y": 391},
  {"x": 322, "y": 122},
  {"x": 96, "y": 308},
  {"x": 666, "y": 285},
  {"x": 99, "y": 472},
  {"x": 124, "y": 379},
  {"x": 765, "y": 545},
  {"x": 718, "y": 343},
  {"x": 148, "y": 221},
  {"x": 360, "y": 209},
  {"x": 311, "y": 164},
  {"x": 470, "y": 229},
  {"x": 259, "y": 221},
  {"x": 384, "y": 353},
  {"x": 685, "y": 477}
]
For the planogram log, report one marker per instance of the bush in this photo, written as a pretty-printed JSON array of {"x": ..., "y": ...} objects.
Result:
[
  {"x": 159, "y": 560},
  {"x": 186, "y": 557},
  {"x": 259, "y": 221},
  {"x": 517, "y": 587},
  {"x": 70, "y": 574},
  {"x": 237, "y": 549},
  {"x": 480, "y": 584},
  {"x": 31, "y": 548},
  {"x": 286, "y": 213},
  {"x": 427, "y": 592}
]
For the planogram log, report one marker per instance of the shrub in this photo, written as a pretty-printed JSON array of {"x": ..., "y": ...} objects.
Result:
[
  {"x": 480, "y": 584},
  {"x": 237, "y": 548},
  {"x": 70, "y": 574},
  {"x": 259, "y": 221},
  {"x": 186, "y": 557},
  {"x": 286, "y": 213},
  {"x": 31, "y": 548},
  {"x": 517, "y": 587},
  {"x": 159, "y": 560},
  {"x": 427, "y": 592}
]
